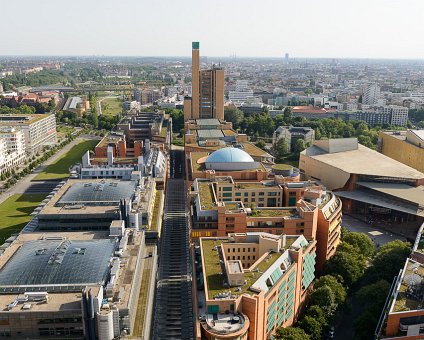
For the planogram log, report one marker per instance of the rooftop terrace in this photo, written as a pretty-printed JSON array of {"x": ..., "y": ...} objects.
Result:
[{"x": 410, "y": 295}]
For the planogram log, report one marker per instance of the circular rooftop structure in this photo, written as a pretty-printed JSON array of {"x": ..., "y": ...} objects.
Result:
[{"x": 230, "y": 159}]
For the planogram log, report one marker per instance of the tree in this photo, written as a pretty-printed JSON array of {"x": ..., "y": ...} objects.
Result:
[
  {"x": 365, "y": 326},
  {"x": 337, "y": 288},
  {"x": 312, "y": 327},
  {"x": 361, "y": 243},
  {"x": 260, "y": 144},
  {"x": 234, "y": 116},
  {"x": 389, "y": 259},
  {"x": 299, "y": 146},
  {"x": 374, "y": 294},
  {"x": 288, "y": 115},
  {"x": 291, "y": 333},
  {"x": 349, "y": 266},
  {"x": 325, "y": 298},
  {"x": 280, "y": 148},
  {"x": 317, "y": 313}
]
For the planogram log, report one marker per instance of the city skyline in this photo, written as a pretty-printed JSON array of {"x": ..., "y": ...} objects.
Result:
[{"x": 370, "y": 30}]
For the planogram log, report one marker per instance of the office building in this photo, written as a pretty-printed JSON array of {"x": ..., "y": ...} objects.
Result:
[
  {"x": 138, "y": 127},
  {"x": 12, "y": 148},
  {"x": 75, "y": 285},
  {"x": 292, "y": 133},
  {"x": 406, "y": 147},
  {"x": 252, "y": 283},
  {"x": 39, "y": 129},
  {"x": 371, "y": 94},
  {"x": 207, "y": 99},
  {"x": 283, "y": 204},
  {"x": 92, "y": 204}
]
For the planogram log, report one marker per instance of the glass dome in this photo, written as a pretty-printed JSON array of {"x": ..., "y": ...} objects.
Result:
[{"x": 229, "y": 155}]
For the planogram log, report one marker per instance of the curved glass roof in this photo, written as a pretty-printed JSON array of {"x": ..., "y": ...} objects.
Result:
[{"x": 229, "y": 155}]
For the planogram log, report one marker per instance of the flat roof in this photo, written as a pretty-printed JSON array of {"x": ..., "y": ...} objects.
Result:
[
  {"x": 22, "y": 119},
  {"x": 208, "y": 121},
  {"x": 210, "y": 134},
  {"x": 364, "y": 161},
  {"x": 58, "y": 262},
  {"x": 95, "y": 193},
  {"x": 403, "y": 191},
  {"x": 411, "y": 285}
]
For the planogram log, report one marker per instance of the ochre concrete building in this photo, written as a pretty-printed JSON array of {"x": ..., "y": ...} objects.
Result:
[
  {"x": 207, "y": 87},
  {"x": 406, "y": 147}
]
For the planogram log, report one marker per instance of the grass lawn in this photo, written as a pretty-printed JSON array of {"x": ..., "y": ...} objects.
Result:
[
  {"x": 63, "y": 131},
  {"x": 15, "y": 213},
  {"x": 111, "y": 106},
  {"x": 60, "y": 168}
]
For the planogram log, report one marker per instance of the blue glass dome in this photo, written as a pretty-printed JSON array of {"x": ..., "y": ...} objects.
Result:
[{"x": 229, "y": 155}]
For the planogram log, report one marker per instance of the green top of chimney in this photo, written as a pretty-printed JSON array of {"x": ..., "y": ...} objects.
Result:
[{"x": 195, "y": 45}]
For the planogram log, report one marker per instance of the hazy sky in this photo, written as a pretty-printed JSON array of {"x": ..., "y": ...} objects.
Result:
[{"x": 303, "y": 28}]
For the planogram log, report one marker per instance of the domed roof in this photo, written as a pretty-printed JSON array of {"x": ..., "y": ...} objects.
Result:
[{"x": 229, "y": 155}]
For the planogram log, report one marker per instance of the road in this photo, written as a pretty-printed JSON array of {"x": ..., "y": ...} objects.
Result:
[
  {"x": 25, "y": 184},
  {"x": 379, "y": 236},
  {"x": 173, "y": 317}
]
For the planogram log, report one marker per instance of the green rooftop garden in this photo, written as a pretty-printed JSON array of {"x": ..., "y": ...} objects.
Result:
[
  {"x": 215, "y": 276},
  {"x": 206, "y": 196},
  {"x": 272, "y": 212},
  {"x": 282, "y": 166},
  {"x": 404, "y": 302}
]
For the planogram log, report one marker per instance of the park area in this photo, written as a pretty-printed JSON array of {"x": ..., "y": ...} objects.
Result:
[
  {"x": 60, "y": 168},
  {"x": 111, "y": 106},
  {"x": 15, "y": 213}
]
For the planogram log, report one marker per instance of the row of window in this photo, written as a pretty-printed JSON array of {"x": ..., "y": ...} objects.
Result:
[{"x": 238, "y": 250}]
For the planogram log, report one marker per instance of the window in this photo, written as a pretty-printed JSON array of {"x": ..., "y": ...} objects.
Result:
[
  {"x": 248, "y": 249},
  {"x": 244, "y": 250},
  {"x": 261, "y": 193},
  {"x": 238, "y": 193},
  {"x": 248, "y": 257},
  {"x": 246, "y": 194},
  {"x": 253, "y": 194},
  {"x": 227, "y": 189},
  {"x": 234, "y": 257},
  {"x": 243, "y": 258}
]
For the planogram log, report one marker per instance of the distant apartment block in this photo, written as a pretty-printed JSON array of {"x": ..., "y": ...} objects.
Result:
[
  {"x": 371, "y": 94},
  {"x": 207, "y": 100},
  {"x": 292, "y": 133},
  {"x": 241, "y": 94},
  {"x": 406, "y": 147},
  {"x": 12, "y": 148},
  {"x": 39, "y": 129}
]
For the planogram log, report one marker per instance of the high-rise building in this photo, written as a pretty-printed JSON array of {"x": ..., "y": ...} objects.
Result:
[
  {"x": 207, "y": 87},
  {"x": 371, "y": 94}
]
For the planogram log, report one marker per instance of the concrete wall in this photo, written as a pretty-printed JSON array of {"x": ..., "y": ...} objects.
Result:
[{"x": 402, "y": 151}]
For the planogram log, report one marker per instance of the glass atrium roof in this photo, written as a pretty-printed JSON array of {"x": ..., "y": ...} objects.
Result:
[
  {"x": 58, "y": 262},
  {"x": 96, "y": 192}
]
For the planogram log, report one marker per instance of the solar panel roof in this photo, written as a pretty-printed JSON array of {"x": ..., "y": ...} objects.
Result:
[
  {"x": 58, "y": 262},
  {"x": 92, "y": 193}
]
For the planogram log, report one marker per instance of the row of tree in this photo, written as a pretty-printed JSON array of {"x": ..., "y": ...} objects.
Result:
[
  {"x": 358, "y": 274},
  {"x": 262, "y": 125}
]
